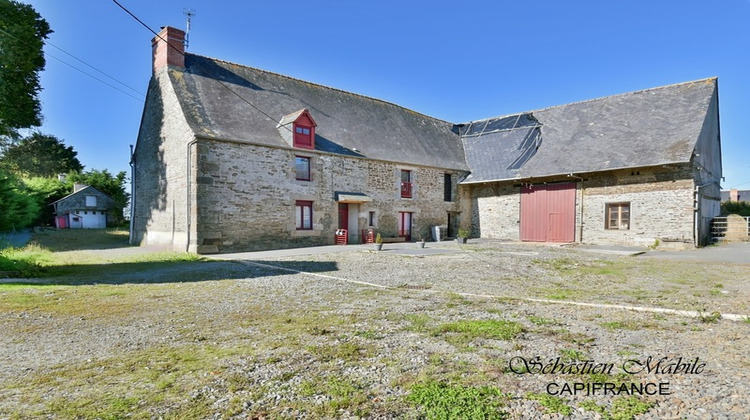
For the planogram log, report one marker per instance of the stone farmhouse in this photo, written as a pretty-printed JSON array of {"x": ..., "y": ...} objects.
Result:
[{"x": 232, "y": 158}]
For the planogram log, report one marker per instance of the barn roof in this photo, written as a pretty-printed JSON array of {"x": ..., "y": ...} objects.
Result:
[
  {"x": 637, "y": 129},
  {"x": 347, "y": 123}
]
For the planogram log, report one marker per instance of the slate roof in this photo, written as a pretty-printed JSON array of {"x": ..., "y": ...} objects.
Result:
[
  {"x": 87, "y": 190},
  {"x": 347, "y": 123},
  {"x": 637, "y": 129}
]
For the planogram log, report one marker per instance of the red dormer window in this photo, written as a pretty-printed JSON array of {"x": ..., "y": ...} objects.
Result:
[
  {"x": 304, "y": 131},
  {"x": 298, "y": 129},
  {"x": 303, "y": 137}
]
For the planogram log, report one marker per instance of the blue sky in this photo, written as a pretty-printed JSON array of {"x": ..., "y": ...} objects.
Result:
[{"x": 457, "y": 61}]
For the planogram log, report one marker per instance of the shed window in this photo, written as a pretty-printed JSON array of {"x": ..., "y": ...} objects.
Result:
[
  {"x": 303, "y": 214},
  {"x": 302, "y": 168},
  {"x": 90, "y": 201},
  {"x": 617, "y": 216}
]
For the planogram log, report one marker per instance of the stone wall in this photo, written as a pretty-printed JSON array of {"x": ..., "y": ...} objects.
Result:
[
  {"x": 661, "y": 207},
  {"x": 246, "y": 194},
  {"x": 496, "y": 211},
  {"x": 161, "y": 170}
]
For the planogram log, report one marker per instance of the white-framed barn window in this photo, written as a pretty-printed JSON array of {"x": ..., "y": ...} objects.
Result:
[
  {"x": 617, "y": 216},
  {"x": 90, "y": 201}
]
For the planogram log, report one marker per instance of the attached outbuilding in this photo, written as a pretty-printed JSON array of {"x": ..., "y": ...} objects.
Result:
[{"x": 639, "y": 168}]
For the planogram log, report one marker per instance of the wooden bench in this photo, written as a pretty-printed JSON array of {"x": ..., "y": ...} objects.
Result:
[{"x": 393, "y": 240}]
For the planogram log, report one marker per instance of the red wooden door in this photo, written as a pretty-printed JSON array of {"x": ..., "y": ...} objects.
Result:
[
  {"x": 548, "y": 213},
  {"x": 344, "y": 216},
  {"x": 404, "y": 225}
]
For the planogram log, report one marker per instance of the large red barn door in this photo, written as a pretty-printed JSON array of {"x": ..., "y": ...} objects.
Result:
[{"x": 548, "y": 213}]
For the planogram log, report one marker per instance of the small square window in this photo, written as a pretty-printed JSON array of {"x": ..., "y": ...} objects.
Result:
[
  {"x": 90, "y": 201},
  {"x": 617, "y": 216},
  {"x": 303, "y": 215},
  {"x": 302, "y": 168}
]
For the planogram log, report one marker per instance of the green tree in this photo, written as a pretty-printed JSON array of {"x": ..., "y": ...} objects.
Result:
[
  {"x": 46, "y": 191},
  {"x": 735, "y": 207},
  {"x": 40, "y": 155},
  {"x": 104, "y": 181},
  {"x": 22, "y": 35},
  {"x": 18, "y": 208}
]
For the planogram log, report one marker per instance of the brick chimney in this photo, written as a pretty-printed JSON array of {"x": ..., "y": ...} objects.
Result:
[{"x": 168, "y": 55}]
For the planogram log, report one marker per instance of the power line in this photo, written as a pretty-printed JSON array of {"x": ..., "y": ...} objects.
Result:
[
  {"x": 46, "y": 53},
  {"x": 96, "y": 78},
  {"x": 181, "y": 52},
  {"x": 94, "y": 68}
]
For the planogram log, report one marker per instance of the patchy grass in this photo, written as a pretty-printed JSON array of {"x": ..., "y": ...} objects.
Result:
[
  {"x": 538, "y": 320},
  {"x": 710, "y": 318},
  {"x": 551, "y": 403},
  {"x": 340, "y": 394},
  {"x": 492, "y": 329},
  {"x": 76, "y": 240},
  {"x": 440, "y": 400},
  {"x": 629, "y": 407},
  {"x": 62, "y": 255},
  {"x": 26, "y": 262},
  {"x": 573, "y": 355},
  {"x": 622, "y": 408},
  {"x": 136, "y": 382},
  {"x": 341, "y": 352},
  {"x": 622, "y": 325}
]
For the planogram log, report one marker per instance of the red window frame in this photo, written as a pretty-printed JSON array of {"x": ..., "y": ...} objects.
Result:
[
  {"x": 300, "y": 207},
  {"x": 406, "y": 183},
  {"x": 302, "y": 175}
]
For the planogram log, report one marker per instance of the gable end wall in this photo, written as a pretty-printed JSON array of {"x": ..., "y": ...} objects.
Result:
[{"x": 161, "y": 170}]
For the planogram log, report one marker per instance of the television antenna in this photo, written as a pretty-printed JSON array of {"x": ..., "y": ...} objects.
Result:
[{"x": 189, "y": 13}]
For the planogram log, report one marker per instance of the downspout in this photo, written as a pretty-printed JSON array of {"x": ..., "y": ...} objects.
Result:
[
  {"x": 580, "y": 228},
  {"x": 188, "y": 198},
  {"x": 132, "y": 195}
]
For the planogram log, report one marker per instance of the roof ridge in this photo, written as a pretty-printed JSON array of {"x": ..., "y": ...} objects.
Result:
[
  {"x": 601, "y": 98},
  {"x": 322, "y": 86}
]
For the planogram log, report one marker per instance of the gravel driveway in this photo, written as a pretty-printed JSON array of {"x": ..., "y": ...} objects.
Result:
[{"x": 297, "y": 314}]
